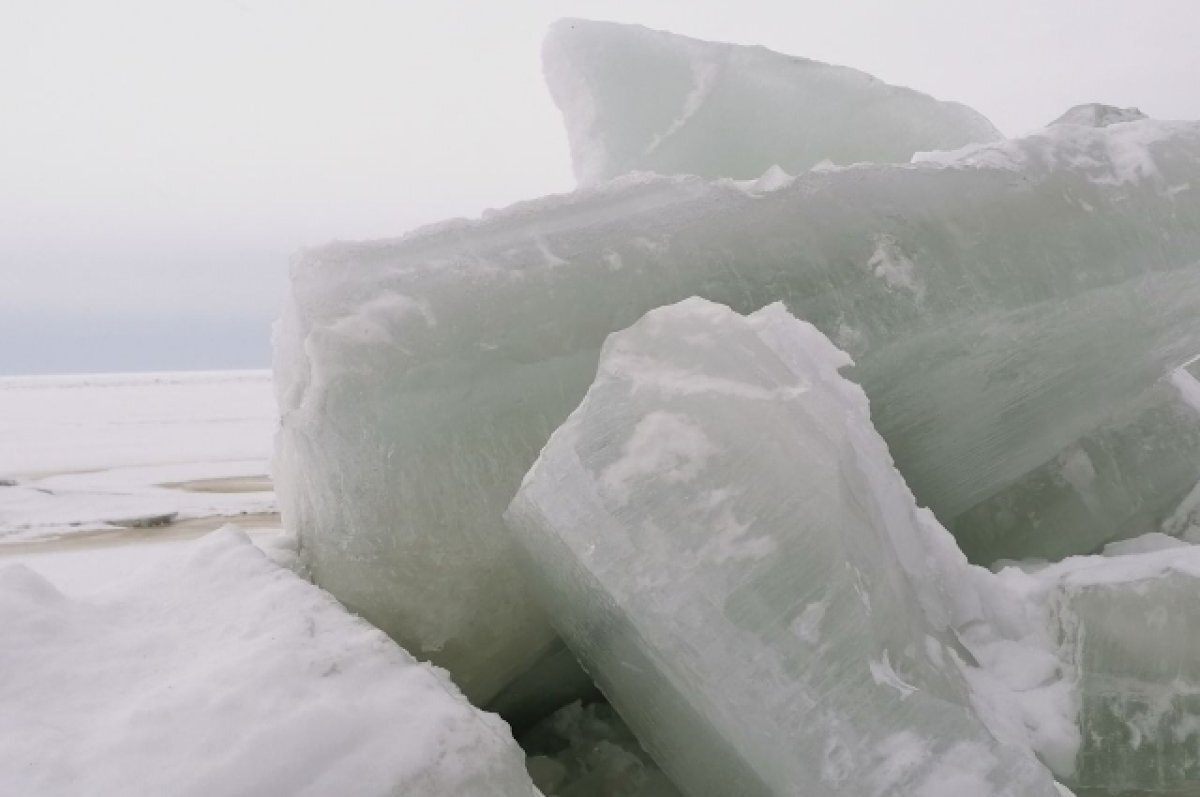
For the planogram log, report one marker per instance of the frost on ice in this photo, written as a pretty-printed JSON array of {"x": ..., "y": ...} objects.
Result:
[
  {"x": 635, "y": 99},
  {"x": 764, "y": 603},
  {"x": 1126, "y": 628},
  {"x": 223, "y": 673},
  {"x": 1014, "y": 309}
]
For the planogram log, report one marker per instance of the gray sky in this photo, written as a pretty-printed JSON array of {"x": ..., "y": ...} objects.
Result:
[{"x": 160, "y": 160}]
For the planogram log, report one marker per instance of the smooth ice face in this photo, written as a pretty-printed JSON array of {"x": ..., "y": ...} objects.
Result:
[
  {"x": 635, "y": 99},
  {"x": 1127, "y": 629},
  {"x": 222, "y": 673},
  {"x": 1012, "y": 313},
  {"x": 720, "y": 534}
]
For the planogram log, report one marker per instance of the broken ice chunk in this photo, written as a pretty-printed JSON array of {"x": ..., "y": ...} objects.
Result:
[
  {"x": 1128, "y": 632},
  {"x": 635, "y": 99},
  {"x": 1012, "y": 314},
  {"x": 719, "y": 533}
]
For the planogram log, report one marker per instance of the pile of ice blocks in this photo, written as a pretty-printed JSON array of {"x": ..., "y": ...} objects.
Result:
[{"x": 598, "y": 419}]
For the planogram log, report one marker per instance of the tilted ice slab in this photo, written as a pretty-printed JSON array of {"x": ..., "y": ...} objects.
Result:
[
  {"x": 1127, "y": 630},
  {"x": 635, "y": 99},
  {"x": 1012, "y": 313},
  {"x": 223, "y": 673},
  {"x": 719, "y": 533}
]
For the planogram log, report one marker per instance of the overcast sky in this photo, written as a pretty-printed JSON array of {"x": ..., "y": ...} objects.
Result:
[{"x": 160, "y": 160}]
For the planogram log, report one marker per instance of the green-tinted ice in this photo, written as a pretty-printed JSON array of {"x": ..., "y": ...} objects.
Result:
[
  {"x": 1013, "y": 311},
  {"x": 718, "y": 532}
]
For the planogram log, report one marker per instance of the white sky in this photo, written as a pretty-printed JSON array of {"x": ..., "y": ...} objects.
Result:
[{"x": 163, "y": 158}]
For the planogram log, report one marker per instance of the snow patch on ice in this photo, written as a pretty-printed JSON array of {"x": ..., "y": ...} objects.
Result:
[
  {"x": 668, "y": 446},
  {"x": 808, "y": 625},
  {"x": 890, "y": 263}
]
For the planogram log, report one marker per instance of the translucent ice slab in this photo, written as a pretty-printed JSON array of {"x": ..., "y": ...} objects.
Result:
[
  {"x": 719, "y": 533},
  {"x": 635, "y": 99}
]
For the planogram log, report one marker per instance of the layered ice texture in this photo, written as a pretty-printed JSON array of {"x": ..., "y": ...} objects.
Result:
[
  {"x": 719, "y": 533},
  {"x": 221, "y": 672},
  {"x": 635, "y": 99},
  {"x": 1014, "y": 309}
]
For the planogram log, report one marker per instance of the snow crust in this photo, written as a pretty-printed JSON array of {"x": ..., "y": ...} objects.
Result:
[
  {"x": 635, "y": 99},
  {"x": 221, "y": 673}
]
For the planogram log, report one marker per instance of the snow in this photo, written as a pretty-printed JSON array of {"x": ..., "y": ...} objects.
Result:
[
  {"x": 1119, "y": 154},
  {"x": 635, "y": 99},
  {"x": 218, "y": 672}
]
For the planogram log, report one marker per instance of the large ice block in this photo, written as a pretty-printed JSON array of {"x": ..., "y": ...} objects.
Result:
[
  {"x": 635, "y": 99},
  {"x": 1127, "y": 629},
  {"x": 221, "y": 673},
  {"x": 720, "y": 534},
  {"x": 1012, "y": 312}
]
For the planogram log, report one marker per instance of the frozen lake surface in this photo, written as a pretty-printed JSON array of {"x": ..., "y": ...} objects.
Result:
[
  {"x": 104, "y": 474},
  {"x": 87, "y": 455}
]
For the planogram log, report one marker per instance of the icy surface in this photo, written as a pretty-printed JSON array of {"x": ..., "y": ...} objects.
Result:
[
  {"x": 635, "y": 99},
  {"x": 1126, "y": 629},
  {"x": 221, "y": 673},
  {"x": 719, "y": 533},
  {"x": 96, "y": 453},
  {"x": 1013, "y": 313}
]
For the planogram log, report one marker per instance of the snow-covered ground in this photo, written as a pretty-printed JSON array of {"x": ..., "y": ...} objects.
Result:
[
  {"x": 217, "y": 671},
  {"x": 98, "y": 454},
  {"x": 142, "y": 654}
]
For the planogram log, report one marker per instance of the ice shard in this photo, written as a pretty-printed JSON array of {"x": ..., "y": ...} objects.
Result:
[
  {"x": 1013, "y": 311},
  {"x": 1127, "y": 629},
  {"x": 635, "y": 99},
  {"x": 720, "y": 534}
]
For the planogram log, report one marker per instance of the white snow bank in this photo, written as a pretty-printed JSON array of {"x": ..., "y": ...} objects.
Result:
[{"x": 222, "y": 673}]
